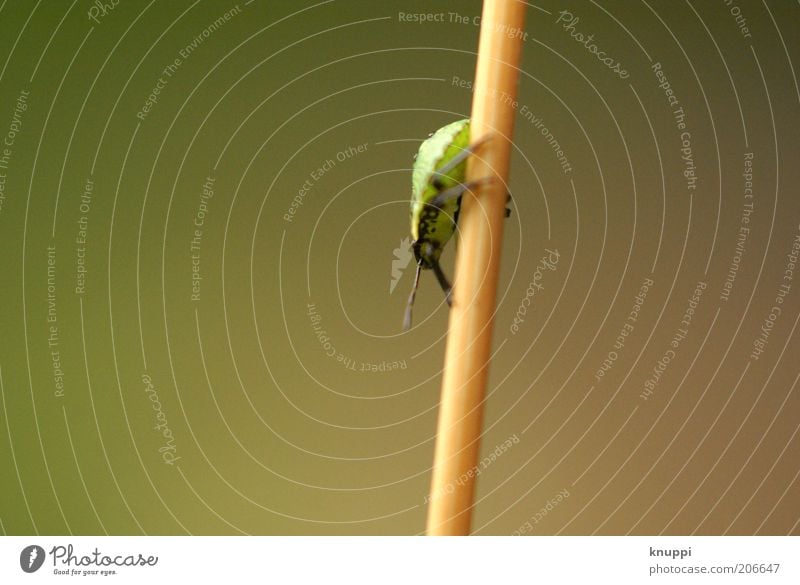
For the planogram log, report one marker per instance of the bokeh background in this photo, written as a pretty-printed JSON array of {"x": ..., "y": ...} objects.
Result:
[{"x": 231, "y": 358}]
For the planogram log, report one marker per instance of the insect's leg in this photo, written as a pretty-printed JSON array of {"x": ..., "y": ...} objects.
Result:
[
  {"x": 461, "y": 156},
  {"x": 412, "y": 296},
  {"x": 456, "y": 191},
  {"x": 443, "y": 282},
  {"x": 508, "y": 200}
]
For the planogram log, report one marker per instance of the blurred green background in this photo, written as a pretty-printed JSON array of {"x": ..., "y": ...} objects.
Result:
[{"x": 276, "y": 393}]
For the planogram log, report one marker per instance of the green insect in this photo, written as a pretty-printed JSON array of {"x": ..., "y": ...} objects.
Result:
[{"x": 438, "y": 182}]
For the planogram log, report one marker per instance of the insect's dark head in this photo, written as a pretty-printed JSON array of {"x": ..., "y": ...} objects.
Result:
[{"x": 426, "y": 253}]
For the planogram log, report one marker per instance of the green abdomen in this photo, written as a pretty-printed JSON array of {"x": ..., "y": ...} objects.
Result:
[{"x": 429, "y": 224}]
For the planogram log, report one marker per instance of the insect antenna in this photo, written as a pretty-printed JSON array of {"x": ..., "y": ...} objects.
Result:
[{"x": 412, "y": 296}]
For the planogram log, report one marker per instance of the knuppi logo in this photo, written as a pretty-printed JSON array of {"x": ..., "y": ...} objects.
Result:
[{"x": 31, "y": 558}]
